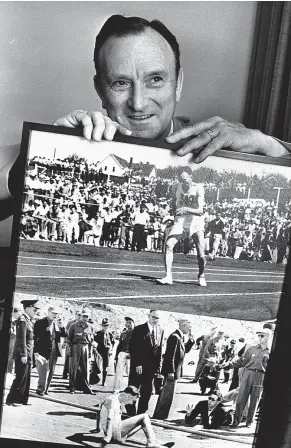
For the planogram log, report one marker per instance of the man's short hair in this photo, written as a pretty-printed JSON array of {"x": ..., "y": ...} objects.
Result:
[{"x": 120, "y": 26}]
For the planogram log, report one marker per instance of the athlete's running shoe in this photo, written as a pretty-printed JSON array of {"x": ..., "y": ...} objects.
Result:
[
  {"x": 202, "y": 281},
  {"x": 165, "y": 281}
]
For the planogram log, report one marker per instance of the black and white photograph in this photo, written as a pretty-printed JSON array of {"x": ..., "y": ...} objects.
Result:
[
  {"x": 125, "y": 222},
  {"x": 159, "y": 378},
  {"x": 155, "y": 200}
]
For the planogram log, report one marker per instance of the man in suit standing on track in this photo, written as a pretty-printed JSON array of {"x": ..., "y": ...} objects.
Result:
[
  {"x": 145, "y": 351},
  {"x": 47, "y": 339},
  {"x": 172, "y": 366}
]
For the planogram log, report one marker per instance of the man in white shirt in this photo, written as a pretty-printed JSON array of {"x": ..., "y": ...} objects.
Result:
[{"x": 140, "y": 219}]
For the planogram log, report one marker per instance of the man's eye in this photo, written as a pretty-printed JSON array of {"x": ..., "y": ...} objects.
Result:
[
  {"x": 156, "y": 81},
  {"x": 120, "y": 85}
]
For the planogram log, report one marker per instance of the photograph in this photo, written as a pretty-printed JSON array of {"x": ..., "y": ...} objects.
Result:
[
  {"x": 120, "y": 221},
  {"x": 156, "y": 141},
  {"x": 156, "y": 378}
]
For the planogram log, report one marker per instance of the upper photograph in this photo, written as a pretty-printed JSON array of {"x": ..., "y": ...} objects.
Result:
[{"x": 135, "y": 224}]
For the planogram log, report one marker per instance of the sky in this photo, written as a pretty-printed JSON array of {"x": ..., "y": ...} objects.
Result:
[{"x": 45, "y": 143}]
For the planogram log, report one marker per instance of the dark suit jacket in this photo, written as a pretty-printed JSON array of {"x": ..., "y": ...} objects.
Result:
[
  {"x": 219, "y": 416},
  {"x": 24, "y": 338},
  {"x": 43, "y": 338},
  {"x": 175, "y": 353},
  {"x": 102, "y": 348},
  {"x": 141, "y": 349}
]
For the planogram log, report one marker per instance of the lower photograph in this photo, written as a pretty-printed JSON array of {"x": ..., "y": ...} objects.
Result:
[{"x": 92, "y": 374}]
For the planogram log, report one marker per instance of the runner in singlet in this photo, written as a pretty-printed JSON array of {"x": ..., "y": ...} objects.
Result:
[{"x": 188, "y": 201}]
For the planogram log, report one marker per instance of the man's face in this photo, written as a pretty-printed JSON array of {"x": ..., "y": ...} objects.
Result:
[
  {"x": 105, "y": 327},
  {"x": 138, "y": 83},
  {"x": 185, "y": 327},
  {"x": 185, "y": 180},
  {"x": 154, "y": 318},
  {"x": 220, "y": 335},
  {"x": 30, "y": 311},
  {"x": 129, "y": 325},
  {"x": 52, "y": 316},
  {"x": 78, "y": 316},
  {"x": 263, "y": 339}
]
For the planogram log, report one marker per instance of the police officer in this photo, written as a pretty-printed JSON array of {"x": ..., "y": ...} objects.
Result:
[
  {"x": 105, "y": 341},
  {"x": 22, "y": 354}
]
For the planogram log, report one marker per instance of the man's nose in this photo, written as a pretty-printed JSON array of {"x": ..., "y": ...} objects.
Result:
[{"x": 138, "y": 99}]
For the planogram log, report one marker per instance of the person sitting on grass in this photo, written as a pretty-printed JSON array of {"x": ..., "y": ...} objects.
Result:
[
  {"x": 212, "y": 413},
  {"x": 209, "y": 376},
  {"x": 118, "y": 431}
]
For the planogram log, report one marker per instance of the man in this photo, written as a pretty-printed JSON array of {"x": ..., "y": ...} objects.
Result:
[
  {"x": 202, "y": 342},
  {"x": 145, "y": 351},
  {"x": 105, "y": 341},
  {"x": 188, "y": 201},
  {"x": 78, "y": 315},
  {"x": 23, "y": 350},
  {"x": 139, "y": 80},
  {"x": 122, "y": 356},
  {"x": 172, "y": 366},
  {"x": 140, "y": 220},
  {"x": 79, "y": 338},
  {"x": 118, "y": 431},
  {"x": 47, "y": 340},
  {"x": 254, "y": 361},
  {"x": 213, "y": 412},
  {"x": 213, "y": 347},
  {"x": 216, "y": 228}
]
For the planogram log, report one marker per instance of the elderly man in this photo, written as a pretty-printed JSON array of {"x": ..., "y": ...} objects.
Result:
[
  {"x": 254, "y": 360},
  {"x": 188, "y": 202},
  {"x": 139, "y": 80},
  {"x": 172, "y": 366},
  {"x": 47, "y": 339},
  {"x": 145, "y": 351},
  {"x": 23, "y": 350}
]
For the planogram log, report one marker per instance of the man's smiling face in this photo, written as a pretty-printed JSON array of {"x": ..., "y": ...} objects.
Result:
[{"x": 138, "y": 83}]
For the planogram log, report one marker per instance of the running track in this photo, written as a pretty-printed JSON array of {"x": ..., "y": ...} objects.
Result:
[{"x": 235, "y": 289}]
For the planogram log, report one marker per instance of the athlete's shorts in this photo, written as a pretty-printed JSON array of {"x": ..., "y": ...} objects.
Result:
[{"x": 187, "y": 225}]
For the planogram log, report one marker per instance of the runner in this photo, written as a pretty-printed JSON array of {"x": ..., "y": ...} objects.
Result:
[{"x": 188, "y": 199}]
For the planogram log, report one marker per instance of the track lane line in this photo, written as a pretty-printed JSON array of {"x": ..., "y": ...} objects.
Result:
[
  {"x": 131, "y": 270},
  {"x": 150, "y": 265}
]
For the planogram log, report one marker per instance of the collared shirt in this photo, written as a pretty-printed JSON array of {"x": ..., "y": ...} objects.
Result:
[
  {"x": 80, "y": 333},
  {"x": 141, "y": 218},
  {"x": 254, "y": 358}
]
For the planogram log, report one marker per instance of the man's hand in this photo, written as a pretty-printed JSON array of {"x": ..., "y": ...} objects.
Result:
[
  {"x": 189, "y": 408},
  {"x": 216, "y": 133},
  {"x": 23, "y": 359},
  {"x": 95, "y": 125},
  {"x": 171, "y": 376},
  {"x": 139, "y": 370}
]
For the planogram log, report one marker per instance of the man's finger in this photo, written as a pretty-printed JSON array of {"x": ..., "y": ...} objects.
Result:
[
  {"x": 198, "y": 142},
  {"x": 195, "y": 129},
  {"x": 110, "y": 129},
  {"x": 98, "y": 126},
  {"x": 216, "y": 144},
  {"x": 121, "y": 127}
]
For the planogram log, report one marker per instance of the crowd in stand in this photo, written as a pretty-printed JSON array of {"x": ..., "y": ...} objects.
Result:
[{"x": 74, "y": 205}]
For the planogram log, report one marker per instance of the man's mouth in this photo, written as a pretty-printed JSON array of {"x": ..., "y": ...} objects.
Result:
[{"x": 140, "y": 117}]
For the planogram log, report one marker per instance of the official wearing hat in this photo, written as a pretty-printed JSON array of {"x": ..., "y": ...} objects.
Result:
[
  {"x": 122, "y": 356},
  {"x": 254, "y": 360},
  {"x": 23, "y": 350},
  {"x": 105, "y": 341}
]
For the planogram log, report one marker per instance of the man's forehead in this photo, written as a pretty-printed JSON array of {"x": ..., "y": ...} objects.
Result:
[{"x": 147, "y": 51}]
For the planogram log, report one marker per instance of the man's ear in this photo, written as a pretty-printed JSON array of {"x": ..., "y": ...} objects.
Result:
[
  {"x": 98, "y": 87},
  {"x": 179, "y": 85}
]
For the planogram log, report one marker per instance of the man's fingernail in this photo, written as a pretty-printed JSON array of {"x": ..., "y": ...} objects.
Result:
[
  {"x": 180, "y": 152},
  {"x": 128, "y": 132}
]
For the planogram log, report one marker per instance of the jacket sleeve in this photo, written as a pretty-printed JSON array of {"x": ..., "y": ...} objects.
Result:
[
  {"x": 189, "y": 344},
  {"x": 21, "y": 337},
  {"x": 36, "y": 336},
  {"x": 135, "y": 351}
]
